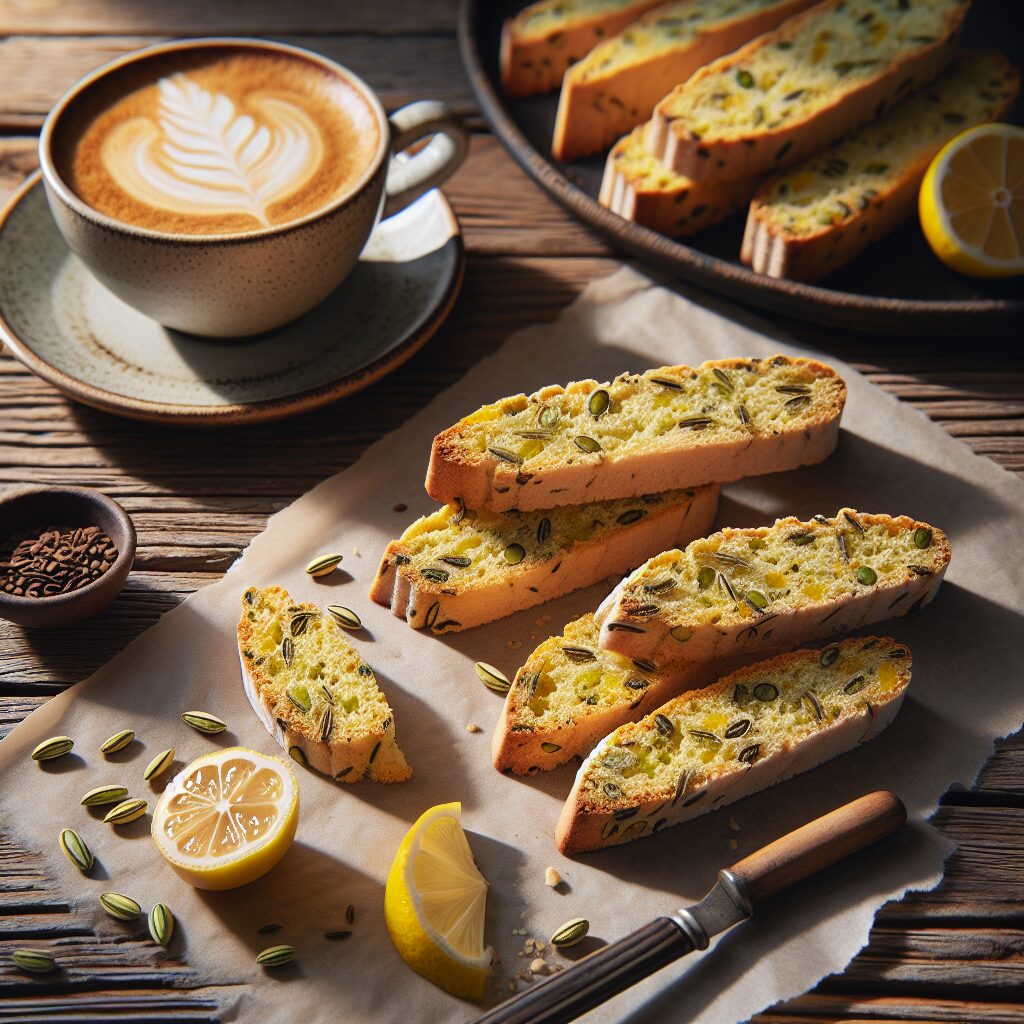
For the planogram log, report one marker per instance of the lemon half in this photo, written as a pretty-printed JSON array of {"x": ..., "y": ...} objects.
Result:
[
  {"x": 972, "y": 202},
  {"x": 227, "y": 818},
  {"x": 434, "y": 904}
]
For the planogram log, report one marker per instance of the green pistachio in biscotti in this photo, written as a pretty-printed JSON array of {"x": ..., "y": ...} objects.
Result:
[
  {"x": 566, "y": 696},
  {"x": 766, "y": 587},
  {"x": 595, "y": 441},
  {"x": 312, "y": 689},
  {"x": 460, "y": 567},
  {"x": 696, "y": 752}
]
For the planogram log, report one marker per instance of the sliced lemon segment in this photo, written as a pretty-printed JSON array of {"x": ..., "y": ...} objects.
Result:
[
  {"x": 972, "y": 202},
  {"x": 227, "y": 818},
  {"x": 434, "y": 904}
]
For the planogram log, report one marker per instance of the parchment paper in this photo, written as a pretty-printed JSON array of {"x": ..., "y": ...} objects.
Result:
[{"x": 965, "y": 692}]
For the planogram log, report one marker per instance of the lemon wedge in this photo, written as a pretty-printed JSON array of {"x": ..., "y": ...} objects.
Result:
[
  {"x": 972, "y": 202},
  {"x": 227, "y": 818},
  {"x": 434, "y": 904}
]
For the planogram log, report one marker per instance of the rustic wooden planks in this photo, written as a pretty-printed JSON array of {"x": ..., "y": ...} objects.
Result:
[{"x": 39, "y": 69}]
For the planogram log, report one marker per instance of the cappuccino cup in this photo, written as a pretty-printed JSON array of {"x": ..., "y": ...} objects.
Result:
[{"x": 224, "y": 187}]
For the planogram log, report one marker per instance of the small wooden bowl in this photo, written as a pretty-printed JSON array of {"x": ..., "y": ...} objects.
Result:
[{"x": 31, "y": 507}]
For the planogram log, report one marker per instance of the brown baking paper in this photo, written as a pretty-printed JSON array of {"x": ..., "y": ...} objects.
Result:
[{"x": 965, "y": 691}]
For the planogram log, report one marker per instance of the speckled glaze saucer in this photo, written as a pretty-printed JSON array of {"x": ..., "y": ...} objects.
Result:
[{"x": 66, "y": 327}]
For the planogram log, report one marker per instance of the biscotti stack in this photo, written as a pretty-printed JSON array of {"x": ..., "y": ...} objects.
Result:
[
  {"x": 819, "y": 119},
  {"x": 787, "y": 93},
  {"x": 666, "y": 643},
  {"x": 552, "y": 492}
]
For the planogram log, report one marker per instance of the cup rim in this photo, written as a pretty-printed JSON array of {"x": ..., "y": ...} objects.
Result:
[{"x": 67, "y": 195}]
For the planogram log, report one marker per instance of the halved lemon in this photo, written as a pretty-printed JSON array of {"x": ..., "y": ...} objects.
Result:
[
  {"x": 972, "y": 202},
  {"x": 227, "y": 818},
  {"x": 434, "y": 904}
]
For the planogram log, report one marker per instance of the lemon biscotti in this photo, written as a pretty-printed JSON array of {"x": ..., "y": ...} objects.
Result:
[
  {"x": 821, "y": 213},
  {"x": 750, "y": 730},
  {"x": 792, "y": 91},
  {"x": 459, "y": 568},
  {"x": 639, "y": 188},
  {"x": 677, "y": 426},
  {"x": 313, "y": 692},
  {"x": 768, "y": 588},
  {"x": 616, "y": 85},
  {"x": 543, "y": 39},
  {"x": 568, "y": 695}
]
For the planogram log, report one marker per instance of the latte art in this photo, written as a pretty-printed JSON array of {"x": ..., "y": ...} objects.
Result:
[
  {"x": 220, "y": 140},
  {"x": 201, "y": 153}
]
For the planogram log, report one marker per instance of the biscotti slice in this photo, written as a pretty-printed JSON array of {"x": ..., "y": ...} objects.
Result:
[
  {"x": 639, "y": 188},
  {"x": 772, "y": 587},
  {"x": 617, "y": 84},
  {"x": 792, "y": 91},
  {"x": 568, "y": 695},
  {"x": 676, "y": 426},
  {"x": 752, "y": 729},
  {"x": 458, "y": 568},
  {"x": 543, "y": 39},
  {"x": 821, "y": 213},
  {"x": 312, "y": 690}
]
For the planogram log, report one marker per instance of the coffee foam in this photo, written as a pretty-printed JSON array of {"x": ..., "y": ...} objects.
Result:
[{"x": 221, "y": 142}]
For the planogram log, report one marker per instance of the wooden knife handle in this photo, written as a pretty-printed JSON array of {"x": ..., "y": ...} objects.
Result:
[
  {"x": 596, "y": 977},
  {"x": 788, "y": 860},
  {"x": 819, "y": 844}
]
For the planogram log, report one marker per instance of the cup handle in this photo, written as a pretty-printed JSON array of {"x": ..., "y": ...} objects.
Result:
[{"x": 408, "y": 179}]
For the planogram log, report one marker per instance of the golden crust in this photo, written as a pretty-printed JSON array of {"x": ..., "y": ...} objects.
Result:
[
  {"x": 588, "y": 823},
  {"x": 535, "y": 63},
  {"x": 769, "y": 149},
  {"x": 808, "y": 256},
  {"x": 349, "y": 757},
  {"x": 461, "y": 472},
  {"x": 430, "y": 595}
]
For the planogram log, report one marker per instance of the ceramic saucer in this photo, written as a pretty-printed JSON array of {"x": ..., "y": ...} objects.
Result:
[{"x": 65, "y": 326}]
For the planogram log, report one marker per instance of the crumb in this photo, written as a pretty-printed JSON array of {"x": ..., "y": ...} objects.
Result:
[
  {"x": 733, "y": 844},
  {"x": 401, "y": 506},
  {"x": 514, "y": 645},
  {"x": 552, "y": 877},
  {"x": 733, "y": 826},
  {"x": 538, "y": 966},
  {"x": 511, "y": 986},
  {"x": 473, "y": 727},
  {"x": 540, "y": 946},
  {"x": 355, "y": 551},
  {"x": 522, "y": 916}
]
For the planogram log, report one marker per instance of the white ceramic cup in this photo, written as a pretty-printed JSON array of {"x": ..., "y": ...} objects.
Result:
[{"x": 245, "y": 283}]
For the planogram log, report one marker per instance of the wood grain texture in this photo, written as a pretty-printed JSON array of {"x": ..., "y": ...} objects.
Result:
[
  {"x": 953, "y": 955},
  {"x": 242, "y": 17},
  {"x": 39, "y": 69}
]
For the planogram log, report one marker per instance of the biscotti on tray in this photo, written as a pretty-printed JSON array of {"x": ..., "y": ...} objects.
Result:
[
  {"x": 543, "y": 39},
  {"x": 771, "y": 587},
  {"x": 790, "y": 92},
  {"x": 821, "y": 213},
  {"x": 616, "y": 85},
  {"x": 752, "y": 729},
  {"x": 569, "y": 694},
  {"x": 313, "y": 692},
  {"x": 459, "y": 568},
  {"x": 639, "y": 188},
  {"x": 639, "y": 434}
]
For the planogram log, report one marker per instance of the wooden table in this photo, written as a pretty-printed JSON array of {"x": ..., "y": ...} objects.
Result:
[{"x": 198, "y": 497}]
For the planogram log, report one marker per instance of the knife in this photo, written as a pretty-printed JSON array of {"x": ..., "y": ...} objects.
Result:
[{"x": 612, "y": 969}]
